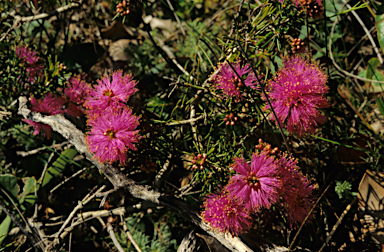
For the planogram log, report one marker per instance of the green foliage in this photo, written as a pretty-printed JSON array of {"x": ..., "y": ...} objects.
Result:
[
  {"x": 343, "y": 189},
  {"x": 160, "y": 241},
  {"x": 4, "y": 228}
]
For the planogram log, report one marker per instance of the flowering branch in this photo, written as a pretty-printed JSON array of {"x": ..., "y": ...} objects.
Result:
[{"x": 119, "y": 180}]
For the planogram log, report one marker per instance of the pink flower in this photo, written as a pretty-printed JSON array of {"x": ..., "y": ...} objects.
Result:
[
  {"x": 30, "y": 60},
  {"x": 76, "y": 92},
  {"x": 296, "y": 93},
  {"x": 111, "y": 91},
  {"x": 112, "y": 134},
  {"x": 257, "y": 184},
  {"x": 229, "y": 83},
  {"x": 296, "y": 191},
  {"x": 226, "y": 213},
  {"x": 49, "y": 105}
]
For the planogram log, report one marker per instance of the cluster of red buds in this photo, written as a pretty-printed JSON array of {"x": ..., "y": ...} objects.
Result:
[
  {"x": 198, "y": 161},
  {"x": 238, "y": 83},
  {"x": 267, "y": 148},
  {"x": 230, "y": 119},
  {"x": 298, "y": 45},
  {"x": 123, "y": 8},
  {"x": 148, "y": 166},
  {"x": 314, "y": 8}
]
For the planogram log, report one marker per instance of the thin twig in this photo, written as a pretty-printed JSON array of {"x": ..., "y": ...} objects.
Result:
[
  {"x": 176, "y": 16},
  {"x": 129, "y": 235},
  {"x": 31, "y": 152},
  {"x": 67, "y": 179},
  {"x": 80, "y": 205},
  {"x": 191, "y": 120},
  {"x": 310, "y": 212},
  {"x": 113, "y": 237},
  {"x": 337, "y": 224},
  {"x": 162, "y": 171},
  {"x": 52, "y": 13}
]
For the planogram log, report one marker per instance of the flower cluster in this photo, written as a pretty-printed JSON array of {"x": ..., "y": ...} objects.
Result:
[
  {"x": 231, "y": 78},
  {"x": 296, "y": 95},
  {"x": 123, "y": 8},
  {"x": 112, "y": 123},
  {"x": 31, "y": 63},
  {"x": 230, "y": 119},
  {"x": 298, "y": 46},
  {"x": 269, "y": 179},
  {"x": 198, "y": 161}
]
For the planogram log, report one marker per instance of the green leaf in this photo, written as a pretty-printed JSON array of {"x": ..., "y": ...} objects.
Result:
[
  {"x": 59, "y": 165},
  {"x": 28, "y": 194},
  {"x": 380, "y": 30},
  {"x": 9, "y": 184},
  {"x": 4, "y": 228},
  {"x": 372, "y": 66},
  {"x": 380, "y": 103}
]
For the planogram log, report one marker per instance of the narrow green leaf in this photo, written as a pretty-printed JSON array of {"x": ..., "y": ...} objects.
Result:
[
  {"x": 4, "y": 228},
  {"x": 58, "y": 166},
  {"x": 28, "y": 193},
  {"x": 380, "y": 103},
  {"x": 372, "y": 65},
  {"x": 380, "y": 30}
]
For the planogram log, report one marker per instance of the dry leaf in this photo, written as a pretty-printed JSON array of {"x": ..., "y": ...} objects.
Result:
[
  {"x": 118, "y": 49},
  {"x": 371, "y": 207}
]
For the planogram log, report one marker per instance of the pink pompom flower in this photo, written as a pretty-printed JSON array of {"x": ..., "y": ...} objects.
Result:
[
  {"x": 112, "y": 134},
  {"x": 76, "y": 92},
  {"x": 30, "y": 60},
  {"x": 296, "y": 192},
  {"x": 228, "y": 80},
  {"x": 49, "y": 105},
  {"x": 226, "y": 213},
  {"x": 296, "y": 94},
  {"x": 111, "y": 91},
  {"x": 257, "y": 184}
]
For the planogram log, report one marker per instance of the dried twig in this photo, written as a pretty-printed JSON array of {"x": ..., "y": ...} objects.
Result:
[
  {"x": 129, "y": 235},
  {"x": 80, "y": 205},
  {"x": 52, "y": 13},
  {"x": 31, "y": 152},
  {"x": 337, "y": 224},
  {"x": 113, "y": 237},
  {"x": 67, "y": 179}
]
